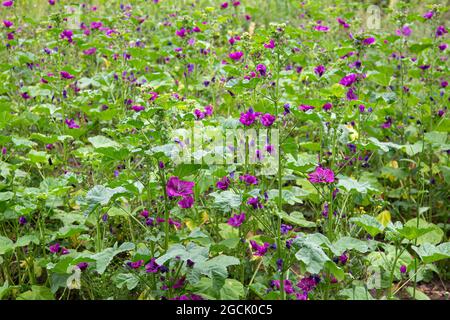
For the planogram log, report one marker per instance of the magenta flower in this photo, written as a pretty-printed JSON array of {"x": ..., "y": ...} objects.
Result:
[
  {"x": 8, "y": 3},
  {"x": 327, "y": 106},
  {"x": 368, "y": 41},
  {"x": 152, "y": 266},
  {"x": 67, "y": 34},
  {"x": 223, "y": 183},
  {"x": 267, "y": 119},
  {"x": 224, "y": 5},
  {"x": 22, "y": 220},
  {"x": 351, "y": 95},
  {"x": 7, "y": 23},
  {"x": 72, "y": 124},
  {"x": 144, "y": 213},
  {"x": 236, "y": 56},
  {"x": 343, "y": 23},
  {"x": 305, "y": 107},
  {"x": 270, "y": 45},
  {"x": 440, "y": 31},
  {"x": 404, "y": 31},
  {"x": 135, "y": 264},
  {"x": 254, "y": 202},
  {"x": 199, "y": 114},
  {"x": 249, "y": 179},
  {"x": 209, "y": 110},
  {"x": 260, "y": 250},
  {"x": 443, "y": 46},
  {"x": 428, "y": 15},
  {"x": 236, "y": 220},
  {"x": 138, "y": 108},
  {"x": 181, "y": 33},
  {"x": 179, "y": 188},
  {"x": 186, "y": 202},
  {"x": 66, "y": 75},
  {"x": 51, "y": 2},
  {"x": 55, "y": 248},
  {"x": 261, "y": 69},
  {"x": 319, "y": 70},
  {"x": 321, "y": 175},
  {"x": 90, "y": 51},
  {"x": 248, "y": 117},
  {"x": 402, "y": 268},
  {"x": 321, "y": 28},
  {"x": 349, "y": 79}
]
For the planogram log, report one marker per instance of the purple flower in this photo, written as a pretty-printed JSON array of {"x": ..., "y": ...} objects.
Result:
[
  {"x": 82, "y": 265},
  {"x": 285, "y": 228},
  {"x": 424, "y": 67},
  {"x": 144, "y": 213},
  {"x": 67, "y": 34},
  {"x": 351, "y": 95},
  {"x": 343, "y": 23},
  {"x": 7, "y": 23},
  {"x": 8, "y": 3},
  {"x": 72, "y": 124},
  {"x": 261, "y": 69},
  {"x": 387, "y": 124},
  {"x": 368, "y": 41},
  {"x": 4, "y": 150},
  {"x": 343, "y": 258},
  {"x": 55, "y": 248},
  {"x": 321, "y": 175},
  {"x": 186, "y": 202},
  {"x": 138, "y": 108},
  {"x": 66, "y": 75},
  {"x": 404, "y": 31},
  {"x": 209, "y": 110},
  {"x": 321, "y": 28},
  {"x": 199, "y": 114},
  {"x": 444, "y": 84},
  {"x": 440, "y": 31},
  {"x": 319, "y": 70},
  {"x": 402, "y": 268},
  {"x": 254, "y": 202},
  {"x": 152, "y": 266},
  {"x": 428, "y": 15},
  {"x": 267, "y": 119},
  {"x": 443, "y": 46},
  {"x": 96, "y": 25},
  {"x": 327, "y": 106},
  {"x": 236, "y": 55},
  {"x": 249, "y": 179},
  {"x": 161, "y": 165},
  {"x": 305, "y": 107},
  {"x": 90, "y": 51},
  {"x": 307, "y": 284},
  {"x": 179, "y": 188},
  {"x": 236, "y": 220},
  {"x": 349, "y": 79},
  {"x": 223, "y": 183},
  {"x": 248, "y": 117},
  {"x": 51, "y": 2},
  {"x": 224, "y": 5},
  {"x": 181, "y": 33},
  {"x": 260, "y": 250},
  {"x": 270, "y": 45},
  {"x": 22, "y": 220},
  {"x": 136, "y": 264}
]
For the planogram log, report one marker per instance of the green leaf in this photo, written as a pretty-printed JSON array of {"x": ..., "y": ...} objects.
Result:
[
  {"x": 430, "y": 253},
  {"x": 103, "y": 142},
  {"x": 4, "y": 290},
  {"x": 102, "y": 195},
  {"x": 6, "y": 245},
  {"x": 231, "y": 290},
  {"x": 349, "y": 243},
  {"x": 296, "y": 218},
  {"x": 6, "y": 196},
  {"x": 350, "y": 184},
  {"x": 370, "y": 224},
  {"x": 425, "y": 233},
  {"x": 312, "y": 255},
  {"x": 356, "y": 293},
  {"x": 37, "y": 293},
  {"x": 226, "y": 201},
  {"x": 104, "y": 258},
  {"x": 26, "y": 240},
  {"x": 419, "y": 294},
  {"x": 128, "y": 279}
]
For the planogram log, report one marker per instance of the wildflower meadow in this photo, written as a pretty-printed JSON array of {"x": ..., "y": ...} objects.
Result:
[{"x": 224, "y": 150}]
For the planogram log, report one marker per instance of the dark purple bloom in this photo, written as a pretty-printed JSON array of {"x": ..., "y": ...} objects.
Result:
[
  {"x": 66, "y": 75},
  {"x": 270, "y": 45},
  {"x": 403, "y": 268},
  {"x": 254, "y": 202},
  {"x": 8, "y": 3},
  {"x": 285, "y": 228},
  {"x": 90, "y": 51},
  {"x": 305, "y": 107},
  {"x": 321, "y": 175},
  {"x": 368, "y": 41},
  {"x": 82, "y": 265},
  {"x": 186, "y": 202},
  {"x": 223, "y": 183},
  {"x": 236, "y": 55},
  {"x": 179, "y": 188},
  {"x": 236, "y": 220},
  {"x": 248, "y": 179},
  {"x": 267, "y": 119},
  {"x": 349, "y": 79},
  {"x": 443, "y": 46},
  {"x": 22, "y": 220},
  {"x": 260, "y": 250},
  {"x": 55, "y": 248},
  {"x": 404, "y": 31},
  {"x": 428, "y": 15},
  {"x": 440, "y": 31},
  {"x": 136, "y": 264},
  {"x": 261, "y": 69},
  {"x": 351, "y": 95},
  {"x": 152, "y": 266},
  {"x": 72, "y": 124},
  {"x": 248, "y": 117},
  {"x": 7, "y": 23},
  {"x": 319, "y": 70}
]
